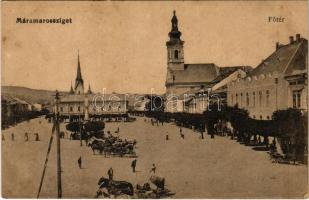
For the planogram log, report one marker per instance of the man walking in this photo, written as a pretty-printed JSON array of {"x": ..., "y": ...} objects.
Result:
[
  {"x": 110, "y": 174},
  {"x": 12, "y": 136},
  {"x": 79, "y": 161},
  {"x": 133, "y": 165}
]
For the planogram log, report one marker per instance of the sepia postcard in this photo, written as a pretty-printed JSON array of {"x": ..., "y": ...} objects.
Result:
[{"x": 154, "y": 99}]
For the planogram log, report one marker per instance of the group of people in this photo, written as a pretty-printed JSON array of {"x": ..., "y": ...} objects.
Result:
[{"x": 26, "y": 137}]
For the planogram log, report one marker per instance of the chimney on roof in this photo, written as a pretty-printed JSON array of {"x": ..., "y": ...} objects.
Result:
[
  {"x": 297, "y": 37},
  {"x": 291, "y": 39}
]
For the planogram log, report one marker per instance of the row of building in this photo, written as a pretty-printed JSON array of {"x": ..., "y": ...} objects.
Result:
[
  {"x": 16, "y": 105},
  {"x": 278, "y": 82}
]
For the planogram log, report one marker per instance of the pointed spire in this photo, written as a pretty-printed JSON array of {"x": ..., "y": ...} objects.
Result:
[
  {"x": 71, "y": 90},
  {"x": 89, "y": 89},
  {"x": 79, "y": 73},
  {"x": 79, "y": 79}
]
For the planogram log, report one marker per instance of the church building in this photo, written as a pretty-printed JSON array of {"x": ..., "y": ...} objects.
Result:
[
  {"x": 183, "y": 78},
  {"x": 87, "y": 104}
]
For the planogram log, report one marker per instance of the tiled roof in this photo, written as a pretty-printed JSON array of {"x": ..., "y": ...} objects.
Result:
[
  {"x": 278, "y": 60},
  {"x": 226, "y": 71},
  {"x": 299, "y": 63},
  {"x": 194, "y": 73}
]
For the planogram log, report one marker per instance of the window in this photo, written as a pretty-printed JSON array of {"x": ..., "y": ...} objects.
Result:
[
  {"x": 260, "y": 98},
  {"x": 261, "y": 117},
  {"x": 253, "y": 98},
  {"x": 247, "y": 99},
  {"x": 71, "y": 108},
  {"x": 267, "y": 117},
  {"x": 267, "y": 97},
  {"x": 61, "y": 109},
  {"x": 78, "y": 108},
  {"x": 176, "y": 54},
  {"x": 296, "y": 99},
  {"x": 240, "y": 99},
  {"x": 236, "y": 98},
  {"x": 253, "y": 116}
]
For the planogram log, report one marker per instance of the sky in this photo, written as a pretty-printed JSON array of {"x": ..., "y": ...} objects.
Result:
[{"x": 122, "y": 44}]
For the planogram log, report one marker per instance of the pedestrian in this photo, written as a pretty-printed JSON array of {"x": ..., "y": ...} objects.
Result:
[
  {"x": 2, "y": 137},
  {"x": 110, "y": 174},
  {"x": 37, "y": 138},
  {"x": 79, "y": 161},
  {"x": 153, "y": 169},
  {"x": 202, "y": 134},
  {"x": 71, "y": 136},
  {"x": 162, "y": 122},
  {"x": 26, "y": 137},
  {"x": 12, "y": 136},
  {"x": 166, "y": 137},
  {"x": 133, "y": 165}
]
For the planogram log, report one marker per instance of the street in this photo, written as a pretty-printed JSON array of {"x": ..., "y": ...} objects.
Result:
[{"x": 192, "y": 167}]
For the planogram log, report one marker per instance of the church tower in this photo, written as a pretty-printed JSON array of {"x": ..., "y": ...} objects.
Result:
[
  {"x": 175, "y": 54},
  {"x": 79, "y": 82}
]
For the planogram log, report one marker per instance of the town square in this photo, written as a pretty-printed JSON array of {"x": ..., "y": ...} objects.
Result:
[{"x": 154, "y": 100}]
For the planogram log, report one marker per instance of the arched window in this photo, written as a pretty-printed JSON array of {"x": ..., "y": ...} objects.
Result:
[
  {"x": 260, "y": 98},
  {"x": 176, "y": 54}
]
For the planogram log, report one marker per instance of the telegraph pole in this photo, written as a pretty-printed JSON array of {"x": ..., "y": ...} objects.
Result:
[
  {"x": 80, "y": 129},
  {"x": 58, "y": 146}
]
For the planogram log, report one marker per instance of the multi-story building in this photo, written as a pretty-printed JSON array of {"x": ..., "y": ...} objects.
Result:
[{"x": 278, "y": 82}]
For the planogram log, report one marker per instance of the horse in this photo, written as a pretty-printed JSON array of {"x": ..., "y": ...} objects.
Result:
[
  {"x": 115, "y": 187},
  {"x": 97, "y": 146}
]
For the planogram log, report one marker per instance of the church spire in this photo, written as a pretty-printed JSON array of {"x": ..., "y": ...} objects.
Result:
[
  {"x": 71, "y": 90},
  {"x": 79, "y": 73},
  {"x": 89, "y": 90},
  {"x": 79, "y": 82},
  {"x": 174, "y": 34}
]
